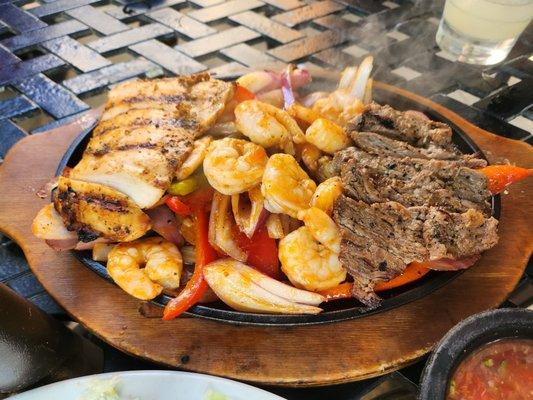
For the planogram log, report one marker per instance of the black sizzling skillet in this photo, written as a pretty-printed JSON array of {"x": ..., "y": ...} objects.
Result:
[{"x": 334, "y": 311}]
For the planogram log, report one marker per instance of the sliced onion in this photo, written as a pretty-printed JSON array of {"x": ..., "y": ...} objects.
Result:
[
  {"x": 311, "y": 98},
  {"x": 445, "y": 264},
  {"x": 358, "y": 86},
  {"x": 245, "y": 289},
  {"x": 101, "y": 251},
  {"x": 367, "y": 99},
  {"x": 90, "y": 245},
  {"x": 188, "y": 230},
  {"x": 164, "y": 222},
  {"x": 300, "y": 77},
  {"x": 188, "y": 254},
  {"x": 49, "y": 225},
  {"x": 161, "y": 201},
  {"x": 275, "y": 227},
  {"x": 286, "y": 87},
  {"x": 248, "y": 210},
  {"x": 62, "y": 244},
  {"x": 220, "y": 228},
  {"x": 347, "y": 77},
  {"x": 222, "y": 129}
]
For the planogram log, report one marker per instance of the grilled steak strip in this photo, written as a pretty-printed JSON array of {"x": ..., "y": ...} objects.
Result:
[
  {"x": 380, "y": 240},
  {"x": 402, "y": 126},
  {"x": 383, "y": 146},
  {"x": 414, "y": 182}
]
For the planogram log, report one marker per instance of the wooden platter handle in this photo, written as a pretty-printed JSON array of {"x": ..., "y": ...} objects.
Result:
[{"x": 304, "y": 356}]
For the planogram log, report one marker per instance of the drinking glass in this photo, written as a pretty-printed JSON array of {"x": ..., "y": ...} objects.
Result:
[{"x": 482, "y": 31}]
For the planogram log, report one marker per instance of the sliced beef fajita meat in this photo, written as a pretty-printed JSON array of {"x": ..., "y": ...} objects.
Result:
[
  {"x": 457, "y": 235},
  {"x": 380, "y": 145},
  {"x": 414, "y": 182},
  {"x": 402, "y": 126},
  {"x": 379, "y": 240}
]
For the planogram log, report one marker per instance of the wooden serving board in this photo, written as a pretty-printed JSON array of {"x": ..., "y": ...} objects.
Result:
[{"x": 302, "y": 356}]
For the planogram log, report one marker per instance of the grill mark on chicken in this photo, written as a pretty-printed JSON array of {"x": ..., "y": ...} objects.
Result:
[
  {"x": 161, "y": 99},
  {"x": 163, "y": 123},
  {"x": 107, "y": 204},
  {"x": 106, "y": 149}
]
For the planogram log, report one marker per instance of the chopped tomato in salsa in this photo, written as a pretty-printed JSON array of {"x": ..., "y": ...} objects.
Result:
[{"x": 501, "y": 370}]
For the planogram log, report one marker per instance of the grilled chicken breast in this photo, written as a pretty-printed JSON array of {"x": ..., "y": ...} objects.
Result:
[
  {"x": 146, "y": 132},
  {"x": 95, "y": 210},
  {"x": 197, "y": 99}
]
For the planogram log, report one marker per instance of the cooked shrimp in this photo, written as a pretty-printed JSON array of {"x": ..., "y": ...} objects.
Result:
[
  {"x": 327, "y": 136},
  {"x": 267, "y": 125},
  {"x": 308, "y": 263},
  {"x": 286, "y": 187},
  {"x": 162, "y": 267},
  {"x": 326, "y": 193},
  {"x": 195, "y": 159},
  {"x": 234, "y": 166},
  {"x": 303, "y": 114},
  {"x": 322, "y": 227}
]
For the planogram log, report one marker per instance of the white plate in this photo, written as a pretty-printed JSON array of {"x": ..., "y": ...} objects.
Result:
[{"x": 149, "y": 385}]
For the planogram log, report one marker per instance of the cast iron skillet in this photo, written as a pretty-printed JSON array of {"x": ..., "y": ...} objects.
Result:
[
  {"x": 466, "y": 337},
  {"x": 335, "y": 311}
]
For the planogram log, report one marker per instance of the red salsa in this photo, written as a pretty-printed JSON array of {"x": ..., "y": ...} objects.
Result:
[{"x": 501, "y": 370}]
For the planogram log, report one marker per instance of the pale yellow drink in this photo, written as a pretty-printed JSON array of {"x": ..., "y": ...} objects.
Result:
[{"x": 483, "y": 31}]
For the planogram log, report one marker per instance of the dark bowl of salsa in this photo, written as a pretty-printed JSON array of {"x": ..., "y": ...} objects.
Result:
[{"x": 488, "y": 356}]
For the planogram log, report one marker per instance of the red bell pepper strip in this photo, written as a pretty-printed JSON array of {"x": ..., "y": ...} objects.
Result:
[
  {"x": 342, "y": 291},
  {"x": 199, "y": 199},
  {"x": 242, "y": 94},
  {"x": 501, "y": 176},
  {"x": 178, "y": 206},
  {"x": 413, "y": 272},
  {"x": 196, "y": 286},
  {"x": 261, "y": 250}
]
